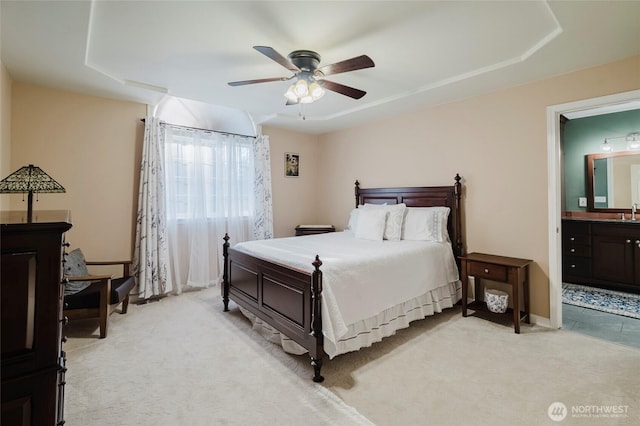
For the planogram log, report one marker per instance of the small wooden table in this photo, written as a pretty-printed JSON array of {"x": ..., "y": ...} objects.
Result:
[
  {"x": 313, "y": 229},
  {"x": 509, "y": 270}
]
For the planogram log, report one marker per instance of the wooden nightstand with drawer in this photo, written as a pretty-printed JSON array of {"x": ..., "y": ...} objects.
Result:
[
  {"x": 313, "y": 229},
  {"x": 509, "y": 270}
]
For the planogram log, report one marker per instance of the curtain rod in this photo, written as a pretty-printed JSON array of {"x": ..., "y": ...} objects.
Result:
[{"x": 205, "y": 130}]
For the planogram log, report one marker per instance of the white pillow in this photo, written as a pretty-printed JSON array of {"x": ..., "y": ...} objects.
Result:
[
  {"x": 353, "y": 219},
  {"x": 426, "y": 224},
  {"x": 393, "y": 226},
  {"x": 371, "y": 224}
]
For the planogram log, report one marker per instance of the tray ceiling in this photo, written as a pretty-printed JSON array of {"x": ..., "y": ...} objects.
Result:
[{"x": 426, "y": 53}]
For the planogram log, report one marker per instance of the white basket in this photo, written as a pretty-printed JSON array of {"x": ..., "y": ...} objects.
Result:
[{"x": 497, "y": 300}]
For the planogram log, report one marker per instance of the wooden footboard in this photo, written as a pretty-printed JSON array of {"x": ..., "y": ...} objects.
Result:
[{"x": 286, "y": 299}]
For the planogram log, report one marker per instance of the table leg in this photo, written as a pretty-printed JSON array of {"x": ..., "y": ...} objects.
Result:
[
  {"x": 525, "y": 288},
  {"x": 465, "y": 287},
  {"x": 515, "y": 284}
]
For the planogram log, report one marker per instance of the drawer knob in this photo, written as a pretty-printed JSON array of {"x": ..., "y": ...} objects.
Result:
[
  {"x": 628, "y": 241},
  {"x": 573, "y": 250},
  {"x": 573, "y": 266},
  {"x": 486, "y": 271},
  {"x": 572, "y": 239}
]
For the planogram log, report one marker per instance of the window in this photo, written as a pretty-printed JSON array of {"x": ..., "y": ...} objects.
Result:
[{"x": 209, "y": 174}]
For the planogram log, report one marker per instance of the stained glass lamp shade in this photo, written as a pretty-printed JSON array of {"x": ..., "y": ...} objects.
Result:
[{"x": 29, "y": 179}]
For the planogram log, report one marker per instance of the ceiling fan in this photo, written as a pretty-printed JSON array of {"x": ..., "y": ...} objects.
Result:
[{"x": 310, "y": 81}]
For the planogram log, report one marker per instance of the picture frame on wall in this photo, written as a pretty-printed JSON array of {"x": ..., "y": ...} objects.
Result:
[{"x": 291, "y": 164}]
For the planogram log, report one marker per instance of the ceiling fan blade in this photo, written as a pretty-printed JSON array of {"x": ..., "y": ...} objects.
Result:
[
  {"x": 342, "y": 89},
  {"x": 352, "y": 64},
  {"x": 260, "y": 80},
  {"x": 270, "y": 53}
]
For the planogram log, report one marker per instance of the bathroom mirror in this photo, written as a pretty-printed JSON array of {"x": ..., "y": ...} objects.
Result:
[{"x": 613, "y": 181}]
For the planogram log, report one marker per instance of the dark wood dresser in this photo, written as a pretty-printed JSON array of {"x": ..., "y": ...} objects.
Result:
[{"x": 33, "y": 363}]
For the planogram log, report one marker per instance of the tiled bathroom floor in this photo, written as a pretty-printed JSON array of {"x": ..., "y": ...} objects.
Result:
[{"x": 602, "y": 325}]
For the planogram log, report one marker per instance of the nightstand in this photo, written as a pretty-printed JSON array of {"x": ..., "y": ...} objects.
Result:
[
  {"x": 509, "y": 270},
  {"x": 313, "y": 229}
]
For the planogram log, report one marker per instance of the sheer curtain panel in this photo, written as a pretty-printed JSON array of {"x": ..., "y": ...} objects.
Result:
[
  {"x": 211, "y": 190},
  {"x": 196, "y": 186}
]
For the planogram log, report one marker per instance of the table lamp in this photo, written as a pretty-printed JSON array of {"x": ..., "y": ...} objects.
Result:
[{"x": 29, "y": 179}]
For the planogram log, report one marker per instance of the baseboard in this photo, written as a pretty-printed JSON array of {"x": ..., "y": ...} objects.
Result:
[{"x": 541, "y": 321}]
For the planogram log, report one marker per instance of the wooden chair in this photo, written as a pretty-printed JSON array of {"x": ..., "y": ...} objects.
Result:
[{"x": 102, "y": 297}]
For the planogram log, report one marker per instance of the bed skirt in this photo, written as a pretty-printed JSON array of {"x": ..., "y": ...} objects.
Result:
[{"x": 371, "y": 330}]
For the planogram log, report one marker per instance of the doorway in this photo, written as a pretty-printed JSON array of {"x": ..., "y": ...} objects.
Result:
[{"x": 594, "y": 106}]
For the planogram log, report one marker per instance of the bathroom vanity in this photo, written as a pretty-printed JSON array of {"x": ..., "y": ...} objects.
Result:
[{"x": 601, "y": 252}]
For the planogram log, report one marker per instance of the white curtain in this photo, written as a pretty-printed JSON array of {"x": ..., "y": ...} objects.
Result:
[
  {"x": 151, "y": 255},
  {"x": 213, "y": 188},
  {"x": 195, "y": 186}
]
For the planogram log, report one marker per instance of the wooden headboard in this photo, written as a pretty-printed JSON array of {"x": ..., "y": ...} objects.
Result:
[{"x": 424, "y": 196}]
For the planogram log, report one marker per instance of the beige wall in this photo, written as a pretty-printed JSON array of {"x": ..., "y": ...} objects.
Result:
[
  {"x": 498, "y": 144},
  {"x": 295, "y": 199},
  {"x": 92, "y": 147},
  {"x": 5, "y": 130}
]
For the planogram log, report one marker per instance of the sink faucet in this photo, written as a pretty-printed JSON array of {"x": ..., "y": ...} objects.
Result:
[{"x": 634, "y": 207}]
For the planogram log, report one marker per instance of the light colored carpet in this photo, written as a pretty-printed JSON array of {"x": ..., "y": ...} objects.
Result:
[{"x": 182, "y": 361}]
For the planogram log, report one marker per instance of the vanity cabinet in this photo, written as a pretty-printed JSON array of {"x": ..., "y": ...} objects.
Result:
[
  {"x": 601, "y": 252},
  {"x": 576, "y": 251},
  {"x": 616, "y": 253}
]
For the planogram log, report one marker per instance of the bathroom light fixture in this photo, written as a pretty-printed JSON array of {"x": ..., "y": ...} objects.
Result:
[{"x": 633, "y": 141}]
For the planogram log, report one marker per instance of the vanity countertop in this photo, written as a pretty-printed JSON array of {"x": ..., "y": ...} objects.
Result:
[{"x": 605, "y": 220}]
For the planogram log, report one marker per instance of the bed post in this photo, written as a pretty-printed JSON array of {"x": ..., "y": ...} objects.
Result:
[
  {"x": 225, "y": 272},
  {"x": 357, "y": 191},
  {"x": 457, "y": 189},
  {"x": 316, "y": 321}
]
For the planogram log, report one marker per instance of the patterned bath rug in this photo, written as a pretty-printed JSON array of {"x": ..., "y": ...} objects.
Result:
[{"x": 614, "y": 302}]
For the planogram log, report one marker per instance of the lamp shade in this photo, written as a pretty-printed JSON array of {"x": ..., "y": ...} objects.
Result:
[
  {"x": 29, "y": 179},
  {"x": 304, "y": 91}
]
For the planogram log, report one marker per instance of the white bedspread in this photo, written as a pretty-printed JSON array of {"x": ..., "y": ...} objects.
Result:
[{"x": 363, "y": 278}]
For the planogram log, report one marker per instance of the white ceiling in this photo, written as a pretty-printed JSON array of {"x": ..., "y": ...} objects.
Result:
[{"x": 426, "y": 52}]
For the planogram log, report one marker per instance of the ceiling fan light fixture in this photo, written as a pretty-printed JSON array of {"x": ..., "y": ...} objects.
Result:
[
  {"x": 316, "y": 91},
  {"x": 290, "y": 94},
  {"x": 306, "y": 99},
  {"x": 304, "y": 91},
  {"x": 301, "y": 88}
]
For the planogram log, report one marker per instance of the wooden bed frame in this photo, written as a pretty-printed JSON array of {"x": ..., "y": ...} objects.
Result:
[{"x": 290, "y": 299}]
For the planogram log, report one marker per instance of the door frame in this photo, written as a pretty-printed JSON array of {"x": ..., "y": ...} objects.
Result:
[{"x": 554, "y": 188}]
